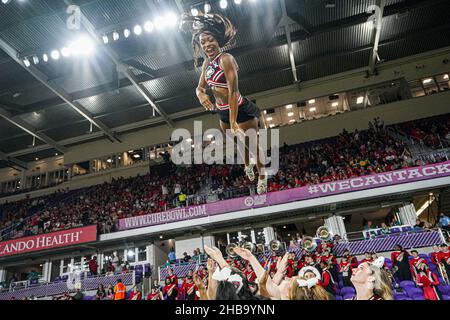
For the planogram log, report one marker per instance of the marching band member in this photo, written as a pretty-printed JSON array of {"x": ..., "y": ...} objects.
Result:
[
  {"x": 327, "y": 281},
  {"x": 400, "y": 264},
  {"x": 367, "y": 257},
  {"x": 291, "y": 265},
  {"x": 328, "y": 257},
  {"x": 352, "y": 259},
  {"x": 345, "y": 269},
  {"x": 189, "y": 289},
  {"x": 371, "y": 281},
  {"x": 444, "y": 258},
  {"x": 173, "y": 278},
  {"x": 155, "y": 294},
  {"x": 170, "y": 290},
  {"x": 309, "y": 262},
  {"x": 428, "y": 281},
  {"x": 189, "y": 274},
  {"x": 135, "y": 294},
  {"x": 435, "y": 254},
  {"x": 264, "y": 261},
  {"x": 249, "y": 273},
  {"x": 414, "y": 263}
]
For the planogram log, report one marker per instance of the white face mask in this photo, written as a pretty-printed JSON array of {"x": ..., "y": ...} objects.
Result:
[{"x": 307, "y": 283}]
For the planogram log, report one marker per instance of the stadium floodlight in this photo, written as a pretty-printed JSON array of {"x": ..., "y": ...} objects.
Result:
[
  {"x": 82, "y": 46},
  {"x": 159, "y": 23},
  {"x": 45, "y": 57},
  {"x": 223, "y": 4},
  {"x": 126, "y": 33},
  {"x": 207, "y": 8},
  {"x": 237, "y": 1},
  {"x": 105, "y": 39},
  {"x": 6, "y": 1},
  {"x": 171, "y": 19},
  {"x": 360, "y": 100},
  {"x": 194, "y": 12},
  {"x": 35, "y": 59},
  {"x": 290, "y": 114},
  {"x": 26, "y": 62},
  {"x": 130, "y": 253},
  {"x": 55, "y": 54},
  {"x": 312, "y": 101},
  {"x": 137, "y": 30},
  {"x": 116, "y": 36},
  {"x": 65, "y": 51},
  {"x": 148, "y": 26}
]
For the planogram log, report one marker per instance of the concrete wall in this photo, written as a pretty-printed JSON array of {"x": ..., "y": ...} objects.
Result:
[
  {"x": 190, "y": 243},
  {"x": 396, "y": 112}
]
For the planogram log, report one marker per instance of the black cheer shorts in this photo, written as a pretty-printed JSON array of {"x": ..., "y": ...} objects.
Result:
[{"x": 246, "y": 112}]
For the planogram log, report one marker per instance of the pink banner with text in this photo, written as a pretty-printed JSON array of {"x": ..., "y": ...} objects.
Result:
[{"x": 431, "y": 171}]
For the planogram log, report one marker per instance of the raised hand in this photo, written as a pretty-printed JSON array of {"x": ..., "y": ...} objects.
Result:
[
  {"x": 243, "y": 253},
  {"x": 213, "y": 252},
  {"x": 211, "y": 266}
]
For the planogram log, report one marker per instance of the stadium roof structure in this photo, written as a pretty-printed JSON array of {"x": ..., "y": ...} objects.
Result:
[{"x": 149, "y": 79}]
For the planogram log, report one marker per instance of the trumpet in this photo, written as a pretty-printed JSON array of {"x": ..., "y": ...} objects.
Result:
[
  {"x": 309, "y": 244},
  {"x": 323, "y": 233}
]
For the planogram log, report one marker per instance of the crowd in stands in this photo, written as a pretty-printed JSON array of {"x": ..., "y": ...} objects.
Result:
[
  {"x": 433, "y": 132},
  {"x": 350, "y": 154}
]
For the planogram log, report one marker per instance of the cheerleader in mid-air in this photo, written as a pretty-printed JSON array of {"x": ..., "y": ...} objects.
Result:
[{"x": 212, "y": 32}]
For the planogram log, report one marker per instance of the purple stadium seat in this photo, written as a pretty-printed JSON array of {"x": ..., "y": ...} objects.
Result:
[
  {"x": 445, "y": 297},
  {"x": 418, "y": 297},
  {"x": 349, "y": 296},
  {"x": 401, "y": 297},
  {"x": 444, "y": 289},
  {"x": 347, "y": 290},
  {"x": 411, "y": 292},
  {"x": 339, "y": 298},
  {"x": 407, "y": 283}
]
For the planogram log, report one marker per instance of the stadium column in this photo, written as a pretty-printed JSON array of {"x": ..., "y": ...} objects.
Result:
[
  {"x": 269, "y": 234},
  {"x": 335, "y": 225},
  {"x": 47, "y": 271},
  {"x": 2, "y": 275},
  {"x": 23, "y": 179},
  {"x": 100, "y": 258},
  {"x": 407, "y": 214}
]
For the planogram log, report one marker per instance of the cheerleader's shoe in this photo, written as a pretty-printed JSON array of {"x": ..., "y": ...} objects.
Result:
[
  {"x": 249, "y": 172},
  {"x": 262, "y": 186}
]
